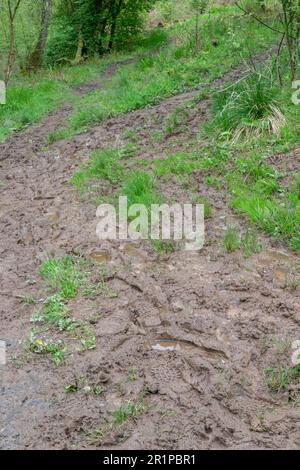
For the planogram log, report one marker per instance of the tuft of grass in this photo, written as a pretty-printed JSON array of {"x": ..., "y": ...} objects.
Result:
[
  {"x": 232, "y": 240},
  {"x": 163, "y": 246},
  {"x": 62, "y": 274},
  {"x": 176, "y": 120},
  {"x": 295, "y": 187},
  {"x": 250, "y": 243},
  {"x": 250, "y": 108},
  {"x": 55, "y": 313},
  {"x": 208, "y": 210},
  {"x": 129, "y": 410},
  {"x": 104, "y": 164},
  {"x": 139, "y": 188},
  {"x": 181, "y": 163},
  {"x": 279, "y": 378}
]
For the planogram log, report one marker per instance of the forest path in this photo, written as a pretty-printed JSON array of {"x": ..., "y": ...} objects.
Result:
[{"x": 193, "y": 332}]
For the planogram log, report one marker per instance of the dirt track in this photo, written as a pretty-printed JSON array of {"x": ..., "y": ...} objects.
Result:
[{"x": 194, "y": 331}]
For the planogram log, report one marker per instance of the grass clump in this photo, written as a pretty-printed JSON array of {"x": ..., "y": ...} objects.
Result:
[
  {"x": 279, "y": 378},
  {"x": 129, "y": 410},
  {"x": 208, "y": 210},
  {"x": 181, "y": 163},
  {"x": 66, "y": 277},
  {"x": 176, "y": 120},
  {"x": 63, "y": 275},
  {"x": 55, "y": 313},
  {"x": 140, "y": 189},
  {"x": 250, "y": 108},
  {"x": 103, "y": 165},
  {"x": 231, "y": 240},
  {"x": 250, "y": 243}
]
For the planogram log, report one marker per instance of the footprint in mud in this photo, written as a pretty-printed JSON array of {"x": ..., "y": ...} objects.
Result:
[{"x": 188, "y": 347}]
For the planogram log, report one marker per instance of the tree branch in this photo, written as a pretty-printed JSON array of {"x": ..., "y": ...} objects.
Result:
[{"x": 259, "y": 20}]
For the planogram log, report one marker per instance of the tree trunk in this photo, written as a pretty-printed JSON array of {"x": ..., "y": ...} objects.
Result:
[
  {"x": 80, "y": 45},
  {"x": 12, "y": 12},
  {"x": 116, "y": 12},
  {"x": 36, "y": 58}
]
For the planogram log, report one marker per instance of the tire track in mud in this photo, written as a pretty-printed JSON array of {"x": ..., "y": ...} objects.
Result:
[{"x": 195, "y": 328}]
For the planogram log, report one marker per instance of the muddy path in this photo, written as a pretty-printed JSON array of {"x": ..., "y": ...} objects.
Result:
[{"x": 190, "y": 333}]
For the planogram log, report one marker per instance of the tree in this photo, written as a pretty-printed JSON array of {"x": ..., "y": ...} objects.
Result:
[
  {"x": 290, "y": 20},
  {"x": 12, "y": 7},
  {"x": 36, "y": 58},
  {"x": 291, "y": 24},
  {"x": 199, "y": 6},
  {"x": 96, "y": 26}
]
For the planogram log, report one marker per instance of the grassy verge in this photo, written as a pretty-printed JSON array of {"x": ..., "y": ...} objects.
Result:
[{"x": 256, "y": 119}]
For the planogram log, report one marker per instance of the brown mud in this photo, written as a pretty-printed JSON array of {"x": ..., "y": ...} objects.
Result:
[{"x": 188, "y": 336}]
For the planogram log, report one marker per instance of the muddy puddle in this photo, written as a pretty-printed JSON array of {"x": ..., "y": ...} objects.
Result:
[
  {"x": 181, "y": 346},
  {"x": 101, "y": 256}
]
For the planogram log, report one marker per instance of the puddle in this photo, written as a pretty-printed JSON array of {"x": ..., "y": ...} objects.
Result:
[
  {"x": 281, "y": 275},
  {"x": 185, "y": 346},
  {"x": 102, "y": 256},
  {"x": 165, "y": 345},
  {"x": 54, "y": 216},
  {"x": 270, "y": 256},
  {"x": 131, "y": 249}
]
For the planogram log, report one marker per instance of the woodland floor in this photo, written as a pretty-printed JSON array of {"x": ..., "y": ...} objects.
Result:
[{"x": 187, "y": 338}]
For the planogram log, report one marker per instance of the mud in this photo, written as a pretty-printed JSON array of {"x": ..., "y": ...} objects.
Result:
[{"x": 193, "y": 332}]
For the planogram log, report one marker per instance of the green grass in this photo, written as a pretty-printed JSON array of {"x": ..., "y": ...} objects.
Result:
[
  {"x": 232, "y": 240},
  {"x": 62, "y": 274},
  {"x": 250, "y": 243},
  {"x": 279, "y": 378},
  {"x": 175, "y": 68},
  {"x": 37, "y": 344},
  {"x": 29, "y": 102},
  {"x": 250, "y": 107},
  {"x": 176, "y": 120},
  {"x": 67, "y": 277},
  {"x": 104, "y": 164},
  {"x": 139, "y": 188},
  {"x": 208, "y": 210},
  {"x": 129, "y": 410},
  {"x": 178, "y": 164},
  {"x": 255, "y": 184}
]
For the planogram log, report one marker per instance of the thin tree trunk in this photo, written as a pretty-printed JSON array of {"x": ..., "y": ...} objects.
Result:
[
  {"x": 80, "y": 45},
  {"x": 116, "y": 13},
  {"x": 11, "y": 52},
  {"x": 36, "y": 58}
]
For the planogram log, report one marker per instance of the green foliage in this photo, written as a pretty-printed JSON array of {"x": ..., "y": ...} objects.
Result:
[
  {"x": 251, "y": 107},
  {"x": 279, "y": 378},
  {"x": 104, "y": 164},
  {"x": 129, "y": 410},
  {"x": 140, "y": 189},
  {"x": 102, "y": 25},
  {"x": 232, "y": 240},
  {"x": 62, "y": 274},
  {"x": 135, "y": 86}
]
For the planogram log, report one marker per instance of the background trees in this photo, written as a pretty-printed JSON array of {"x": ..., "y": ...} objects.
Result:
[{"x": 52, "y": 32}]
